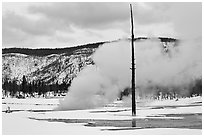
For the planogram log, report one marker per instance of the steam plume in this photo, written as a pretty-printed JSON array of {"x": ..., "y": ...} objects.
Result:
[{"x": 101, "y": 83}]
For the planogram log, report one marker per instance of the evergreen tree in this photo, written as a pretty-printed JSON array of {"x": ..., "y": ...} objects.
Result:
[
  {"x": 30, "y": 88},
  {"x": 10, "y": 87},
  {"x": 33, "y": 88},
  {"x": 43, "y": 88},
  {"x": 5, "y": 86},
  {"x": 14, "y": 87},
  {"x": 57, "y": 87},
  {"x": 24, "y": 85},
  {"x": 39, "y": 89}
]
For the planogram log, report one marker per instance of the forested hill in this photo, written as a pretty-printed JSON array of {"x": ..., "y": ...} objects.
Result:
[
  {"x": 54, "y": 69},
  {"x": 68, "y": 50},
  {"x": 53, "y": 65},
  {"x": 49, "y": 51}
]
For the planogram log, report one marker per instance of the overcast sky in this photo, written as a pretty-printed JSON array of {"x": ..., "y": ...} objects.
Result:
[{"x": 54, "y": 25}]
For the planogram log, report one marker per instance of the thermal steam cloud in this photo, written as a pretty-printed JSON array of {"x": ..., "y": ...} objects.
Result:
[
  {"x": 101, "y": 83},
  {"x": 179, "y": 66}
]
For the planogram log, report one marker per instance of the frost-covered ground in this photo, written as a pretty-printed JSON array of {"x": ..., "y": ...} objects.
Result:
[{"x": 36, "y": 116}]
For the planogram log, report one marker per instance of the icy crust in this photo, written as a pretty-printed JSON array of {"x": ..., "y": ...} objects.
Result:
[
  {"x": 57, "y": 128},
  {"x": 10, "y": 121}
]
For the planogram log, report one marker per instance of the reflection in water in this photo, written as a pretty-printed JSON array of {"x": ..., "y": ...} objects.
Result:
[{"x": 133, "y": 122}]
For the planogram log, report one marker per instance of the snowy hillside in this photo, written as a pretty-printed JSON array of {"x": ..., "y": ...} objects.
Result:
[{"x": 52, "y": 68}]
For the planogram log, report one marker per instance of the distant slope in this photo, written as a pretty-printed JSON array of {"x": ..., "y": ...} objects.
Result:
[
  {"x": 68, "y": 50},
  {"x": 52, "y": 65},
  {"x": 49, "y": 51}
]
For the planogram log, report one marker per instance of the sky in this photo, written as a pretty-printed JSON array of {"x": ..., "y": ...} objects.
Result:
[{"x": 66, "y": 24}]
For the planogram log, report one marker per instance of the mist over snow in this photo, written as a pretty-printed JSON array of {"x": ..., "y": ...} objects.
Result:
[
  {"x": 181, "y": 66},
  {"x": 101, "y": 83}
]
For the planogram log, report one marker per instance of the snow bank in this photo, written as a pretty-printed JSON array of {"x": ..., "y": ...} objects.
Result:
[{"x": 10, "y": 121}]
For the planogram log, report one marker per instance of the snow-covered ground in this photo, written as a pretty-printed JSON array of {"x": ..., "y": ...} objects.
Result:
[{"x": 36, "y": 116}]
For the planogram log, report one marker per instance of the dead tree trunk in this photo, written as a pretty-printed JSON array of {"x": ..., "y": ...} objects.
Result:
[{"x": 133, "y": 65}]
